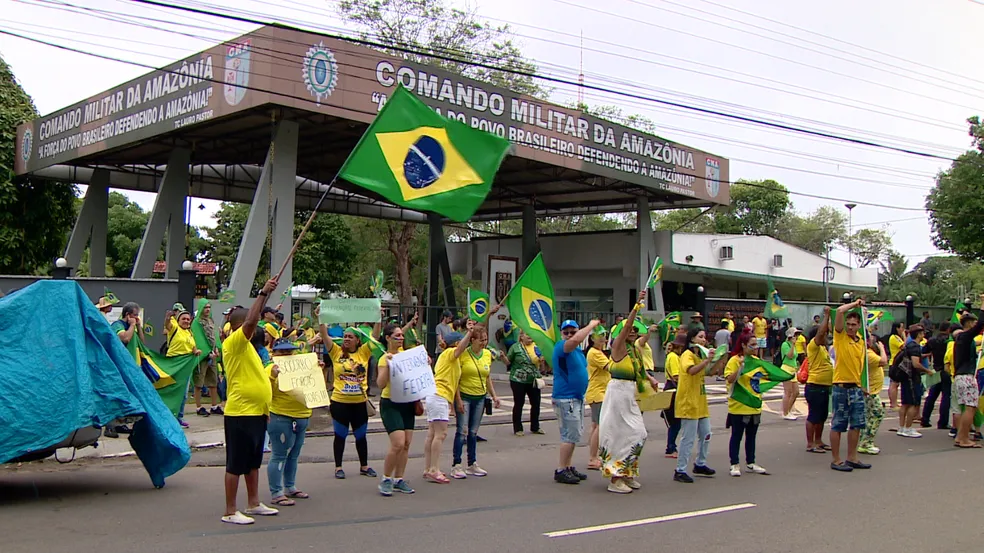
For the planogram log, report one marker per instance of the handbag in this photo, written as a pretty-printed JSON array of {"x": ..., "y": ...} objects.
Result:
[
  {"x": 488, "y": 400},
  {"x": 418, "y": 408},
  {"x": 538, "y": 380},
  {"x": 370, "y": 409},
  {"x": 804, "y": 372},
  {"x": 540, "y": 383}
]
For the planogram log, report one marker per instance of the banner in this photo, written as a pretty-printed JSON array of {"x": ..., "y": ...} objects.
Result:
[
  {"x": 301, "y": 378},
  {"x": 411, "y": 378},
  {"x": 350, "y": 310}
]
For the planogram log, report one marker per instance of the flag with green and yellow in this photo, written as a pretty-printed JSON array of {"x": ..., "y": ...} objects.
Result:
[
  {"x": 420, "y": 160},
  {"x": 755, "y": 378},
  {"x": 478, "y": 305},
  {"x": 531, "y": 307}
]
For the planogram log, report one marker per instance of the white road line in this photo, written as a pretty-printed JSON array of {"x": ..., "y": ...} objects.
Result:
[{"x": 644, "y": 521}]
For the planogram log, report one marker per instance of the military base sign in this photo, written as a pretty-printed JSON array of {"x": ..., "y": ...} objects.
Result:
[{"x": 322, "y": 74}]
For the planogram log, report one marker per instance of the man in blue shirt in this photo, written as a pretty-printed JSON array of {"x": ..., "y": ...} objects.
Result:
[{"x": 570, "y": 382}]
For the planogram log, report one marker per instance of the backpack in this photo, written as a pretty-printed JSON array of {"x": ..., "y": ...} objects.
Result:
[{"x": 901, "y": 367}]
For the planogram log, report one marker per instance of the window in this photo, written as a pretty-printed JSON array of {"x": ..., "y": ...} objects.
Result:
[
  {"x": 777, "y": 260},
  {"x": 726, "y": 252}
]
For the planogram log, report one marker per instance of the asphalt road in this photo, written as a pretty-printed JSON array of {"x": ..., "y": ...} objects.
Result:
[{"x": 905, "y": 503}]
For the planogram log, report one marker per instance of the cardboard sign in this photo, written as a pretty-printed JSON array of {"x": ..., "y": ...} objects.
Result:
[
  {"x": 301, "y": 378},
  {"x": 350, "y": 310},
  {"x": 411, "y": 378}
]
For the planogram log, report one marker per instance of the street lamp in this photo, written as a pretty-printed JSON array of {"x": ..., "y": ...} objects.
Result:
[{"x": 850, "y": 234}]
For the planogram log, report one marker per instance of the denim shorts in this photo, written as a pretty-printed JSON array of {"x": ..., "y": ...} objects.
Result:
[
  {"x": 570, "y": 415},
  {"x": 818, "y": 403},
  {"x": 848, "y": 409}
]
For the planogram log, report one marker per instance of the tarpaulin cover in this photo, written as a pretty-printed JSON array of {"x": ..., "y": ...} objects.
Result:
[{"x": 62, "y": 368}]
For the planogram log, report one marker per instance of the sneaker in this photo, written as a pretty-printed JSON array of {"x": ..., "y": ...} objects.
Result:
[
  {"x": 912, "y": 433},
  {"x": 386, "y": 487},
  {"x": 480, "y": 439},
  {"x": 952, "y": 432},
  {"x": 538, "y": 431},
  {"x": 671, "y": 455},
  {"x": 925, "y": 424},
  {"x": 402, "y": 486},
  {"x": 217, "y": 410},
  {"x": 580, "y": 475},
  {"x": 476, "y": 470},
  {"x": 868, "y": 450},
  {"x": 901, "y": 432},
  {"x": 682, "y": 477},
  {"x": 262, "y": 510},
  {"x": 111, "y": 432},
  {"x": 565, "y": 477},
  {"x": 632, "y": 483},
  {"x": 202, "y": 412},
  {"x": 123, "y": 429},
  {"x": 457, "y": 473},
  {"x": 873, "y": 450},
  {"x": 237, "y": 518},
  {"x": 703, "y": 470},
  {"x": 340, "y": 474},
  {"x": 183, "y": 423},
  {"x": 735, "y": 471},
  {"x": 368, "y": 472},
  {"x": 619, "y": 486},
  {"x": 790, "y": 417},
  {"x": 520, "y": 433},
  {"x": 755, "y": 469}
]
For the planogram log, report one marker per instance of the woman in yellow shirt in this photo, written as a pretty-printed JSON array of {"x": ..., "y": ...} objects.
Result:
[
  {"x": 743, "y": 420},
  {"x": 598, "y": 377},
  {"x": 475, "y": 386},
  {"x": 398, "y": 419},
  {"x": 895, "y": 343},
  {"x": 447, "y": 376},
  {"x": 180, "y": 342},
  {"x": 819, "y": 383},
  {"x": 289, "y": 420},
  {"x": 873, "y": 410},
  {"x": 672, "y": 369},
  {"x": 691, "y": 407}
]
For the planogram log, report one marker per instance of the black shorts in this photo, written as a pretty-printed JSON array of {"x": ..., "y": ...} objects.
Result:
[
  {"x": 244, "y": 438},
  {"x": 396, "y": 416},
  {"x": 818, "y": 403},
  {"x": 352, "y": 415},
  {"x": 911, "y": 391}
]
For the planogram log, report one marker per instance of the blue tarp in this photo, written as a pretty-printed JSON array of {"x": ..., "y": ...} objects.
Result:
[{"x": 62, "y": 368}]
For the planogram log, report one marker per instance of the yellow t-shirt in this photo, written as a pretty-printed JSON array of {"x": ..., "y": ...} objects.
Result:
[
  {"x": 447, "y": 375},
  {"x": 646, "y": 356},
  {"x": 895, "y": 343},
  {"x": 672, "y": 364},
  {"x": 227, "y": 328},
  {"x": 283, "y": 403},
  {"x": 691, "y": 396},
  {"x": 800, "y": 344},
  {"x": 475, "y": 370},
  {"x": 181, "y": 341},
  {"x": 349, "y": 373},
  {"x": 978, "y": 340},
  {"x": 735, "y": 407},
  {"x": 598, "y": 376},
  {"x": 948, "y": 358},
  {"x": 848, "y": 354},
  {"x": 876, "y": 373},
  {"x": 731, "y": 325},
  {"x": 384, "y": 366},
  {"x": 760, "y": 326},
  {"x": 247, "y": 381},
  {"x": 821, "y": 369}
]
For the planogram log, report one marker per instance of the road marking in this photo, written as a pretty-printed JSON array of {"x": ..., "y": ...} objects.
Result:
[{"x": 644, "y": 521}]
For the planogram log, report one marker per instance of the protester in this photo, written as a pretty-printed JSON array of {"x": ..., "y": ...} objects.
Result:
[
  {"x": 207, "y": 373},
  {"x": 288, "y": 424},
  {"x": 722, "y": 336},
  {"x": 818, "y": 384},
  {"x": 674, "y": 349},
  {"x": 443, "y": 329},
  {"x": 126, "y": 327},
  {"x": 873, "y": 410},
  {"x": 927, "y": 322},
  {"x": 800, "y": 347},
  {"x": 525, "y": 362},
  {"x": 349, "y": 403},
  {"x": 790, "y": 388},
  {"x": 104, "y": 306},
  {"x": 696, "y": 321},
  {"x": 743, "y": 420},
  {"x": 692, "y": 410},
  {"x": 760, "y": 326},
  {"x": 966, "y": 392},
  {"x": 180, "y": 342},
  {"x": 896, "y": 342},
  {"x": 247, "y": 408},
  {"x": 598, "y": 378},
  {"x": 949, "y": 368},
  {"x": 475, "y": 385},
  {"x": 447, "y": 375},
  {"x": 622, "y": 433},
  {"x": 729, "y": 318},
  {"x": 398, "y": 419},
  {"x": 937, "y": 346},
  {"x": 848, "y": 398},
  {"x": 911, "y": 385},
  {"x": 569, "y": 386}
]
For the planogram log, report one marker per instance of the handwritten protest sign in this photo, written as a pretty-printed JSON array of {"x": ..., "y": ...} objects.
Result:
[
  {"x": 350, "y": 310},
  {"x": 301, "y": 378},
  {"x": 410, "y": 376}
]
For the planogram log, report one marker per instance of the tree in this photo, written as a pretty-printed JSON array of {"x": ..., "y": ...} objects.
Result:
[
  {"x": 688, "y": 220},
  {"x": 816, "y": 231},
  {"x": 956, "y": 202},
  {"x": 894, "y": 271},
  {"x": 870, "y": 246},
  {"x": 35, "y": 214},
  {"x": 757, "y": 207}
]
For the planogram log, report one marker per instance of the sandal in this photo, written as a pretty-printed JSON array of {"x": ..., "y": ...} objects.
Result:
[
  {"x": 594, "y": 466},
  {"x": 974, "y": 446},
  {"x": 283, "y": 501},
  {"x": 436, "y": 477},
  {"x": 298, "y": 494},
  {"x": 825, "y": 447}
]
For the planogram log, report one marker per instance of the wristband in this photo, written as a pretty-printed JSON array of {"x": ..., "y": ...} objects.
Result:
[{"x": 262, "y": 293}]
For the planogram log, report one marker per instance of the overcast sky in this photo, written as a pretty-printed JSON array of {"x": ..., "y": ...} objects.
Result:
[{"x": 905, "y": 73}]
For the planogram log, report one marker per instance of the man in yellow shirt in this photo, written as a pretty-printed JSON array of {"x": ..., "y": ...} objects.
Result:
[
  {"x": 760, "y": 327},
  {"x": 247, "y": 407},
  {"x": 818, "y": 384},
  {"x": 848, "y": 397},
  {"x": 730, "y": 318}
]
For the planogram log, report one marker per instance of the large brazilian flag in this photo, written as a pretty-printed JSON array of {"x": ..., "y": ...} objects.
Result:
[
  {"x": 756, "y": 378},
  {"x": 531, "y": 307},
  {"x": 418, "y": 159}
]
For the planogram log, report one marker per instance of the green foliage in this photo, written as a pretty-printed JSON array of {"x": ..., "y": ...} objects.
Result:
[
  {"x": 956, "y": 202},
  {"x": 936, "y": 281},
  {"x": 35, "y": 214},
  {"x": 870, "y": 246},
  {"x": 755, "y": 209}
]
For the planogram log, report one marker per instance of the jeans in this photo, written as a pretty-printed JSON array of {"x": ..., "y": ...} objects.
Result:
[
  {"x": 672, "y": 423},
  {"x": 472, "y": 417},
  {"x": 181, "y": 410},
  {"x": 691, "y": 430},
  {"x": 520, "y": 391},
  {"x": 944, "y": 388},
  {"x": 738, "y": 429},
  {"x": 286, "y": 439}
]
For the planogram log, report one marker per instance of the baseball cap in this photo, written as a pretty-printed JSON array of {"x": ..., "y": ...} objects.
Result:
[
  {"x": 569, "y": 323},
  {"x": 792, "y": 331}
]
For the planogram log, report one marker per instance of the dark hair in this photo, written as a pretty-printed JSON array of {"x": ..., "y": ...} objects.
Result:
[
  {"x": 259, "y": 339},
  {"x": 813, "y": 333},
  {"x": 743, "y": 339},
  {"x": 724, "y": 324},
  {"x": 853, "y": 315},
  {"x": 692, "y": 333},
  {"x": 130, "y": 308},
  {"x": 896, "y": 326},
  {"x": 388, "y": 331}
]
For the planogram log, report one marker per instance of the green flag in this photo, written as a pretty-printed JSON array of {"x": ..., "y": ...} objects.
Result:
[
  {"x": 417, "y": 159},
  {"x": 864, "y": 358},
  {"x": 376, "y": 283},
  {"x": 756, "y": 378},
  {"x": 668, "y": 327},
  {"x": 198, "y": 331},
  {"x": 656, "y": 274},
  {"x": 110, "y": 296},
  {"x": 774, "y": 307},
  {"x": 478, "y": 305},
  {"x": 955, "y": 318},
  {"x": 531, "y": 306},
  {"x": 227, "y": 296},
  {"x": 173, "y": 373}
]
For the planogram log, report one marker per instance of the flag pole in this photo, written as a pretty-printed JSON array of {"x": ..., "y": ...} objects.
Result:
[{"x": 307, "y": 225}]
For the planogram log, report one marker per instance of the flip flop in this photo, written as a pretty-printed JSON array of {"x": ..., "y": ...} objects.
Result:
[
  {"x": 283, "y": 501},
  {"x": 816, "y": 450},
  {"x": 825, "y": 447},
  {"x": 975, "y": 446},
  {"x": 298, "y": 494}
]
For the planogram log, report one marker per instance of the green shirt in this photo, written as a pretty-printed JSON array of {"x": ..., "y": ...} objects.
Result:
[
  {"x": 523, "y": 365},
  {"x": 786, "y": 360}
]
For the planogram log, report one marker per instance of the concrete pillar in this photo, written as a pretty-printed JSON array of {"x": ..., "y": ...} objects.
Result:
[
  {"x": 530, "y": 247},
  {"x": 93, "y": 220},
  {"x": 168, "y": 214}
]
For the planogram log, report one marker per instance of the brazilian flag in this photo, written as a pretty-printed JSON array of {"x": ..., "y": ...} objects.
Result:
[
  {"x": 955, "y": 317},
  {"x": 774, "y": 307},
  {"x": 420, "y": 160},
  {"x": 656, "y": 274},
  {"x": 170, "y": 375},
  {"x": 478, "y": 305},
  {"x": 756, "y": 378},
  {"x": 531, "y": 306},
  {"x": 668, "y": 327}
]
